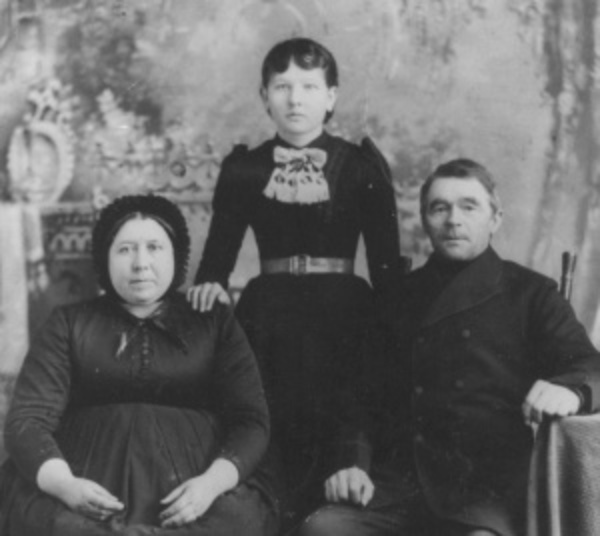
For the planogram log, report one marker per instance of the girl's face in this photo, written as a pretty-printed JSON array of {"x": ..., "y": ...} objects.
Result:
[
  {"x": 141, "y": 264},
  {"x": 297, "y": 101}
]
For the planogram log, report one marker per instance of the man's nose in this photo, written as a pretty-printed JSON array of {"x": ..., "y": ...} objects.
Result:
[{"x": 454, "y": 216}]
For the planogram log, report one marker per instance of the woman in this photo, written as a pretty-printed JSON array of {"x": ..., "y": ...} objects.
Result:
[
  {"x": 134, "y": 414},
  {"x": 308, "y": 196}
]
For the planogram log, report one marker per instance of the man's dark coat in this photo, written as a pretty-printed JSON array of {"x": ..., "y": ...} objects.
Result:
[{"x": 469, "y": 351}]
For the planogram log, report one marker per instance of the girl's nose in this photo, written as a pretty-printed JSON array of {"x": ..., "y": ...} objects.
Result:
[{"x": 294, "y": 95}]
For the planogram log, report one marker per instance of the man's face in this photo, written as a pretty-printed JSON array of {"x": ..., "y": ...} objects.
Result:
[{"x": 459, "y": 218}]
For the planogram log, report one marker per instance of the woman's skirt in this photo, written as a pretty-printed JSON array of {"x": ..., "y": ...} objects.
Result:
[{"x": 139, "y": 453}]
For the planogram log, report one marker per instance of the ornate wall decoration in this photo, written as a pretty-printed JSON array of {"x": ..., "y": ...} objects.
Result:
[
  {"x": 40, "y": 153},
  {"x": 123, "y": 157},
  {"x": 67, "y": 231}
]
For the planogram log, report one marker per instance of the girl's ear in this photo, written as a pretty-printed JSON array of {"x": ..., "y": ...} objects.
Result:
[
  {"x": 332, "y": 94},
  {"x": 265, "y": 99}
]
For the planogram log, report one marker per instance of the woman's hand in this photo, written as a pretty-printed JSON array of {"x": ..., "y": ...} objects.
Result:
[
  {"x": 187, "y": 502},
  {"x": 193, "y": 498},
  {"x": 203, "y": 297},
  {"x": 79, "y": 494},
  {"x": 90, "y": 499}
]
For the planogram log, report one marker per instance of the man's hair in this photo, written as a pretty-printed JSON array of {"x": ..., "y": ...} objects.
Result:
[
  {"x": 306, "y": 54},
  {"x": 462, "y": 168}
]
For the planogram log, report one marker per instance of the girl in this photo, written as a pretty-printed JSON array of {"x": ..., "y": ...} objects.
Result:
[{"x": 308, "y": 196}]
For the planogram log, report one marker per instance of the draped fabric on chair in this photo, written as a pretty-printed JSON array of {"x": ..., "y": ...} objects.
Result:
[{"x": 564, "y": 490}]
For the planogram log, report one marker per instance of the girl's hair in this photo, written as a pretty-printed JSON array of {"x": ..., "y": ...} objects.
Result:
[
  {"x": 306, "y": 54},
  {"x": 129, "y": 207}
]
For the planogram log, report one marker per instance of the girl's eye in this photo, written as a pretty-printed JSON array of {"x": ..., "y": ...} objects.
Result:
[
  {"x": 123, "y": 249},
  {"x": 154, "y": 247}
]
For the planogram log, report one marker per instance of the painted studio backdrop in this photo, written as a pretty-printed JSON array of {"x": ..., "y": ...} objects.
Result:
[{"x": 100, "y": 98}]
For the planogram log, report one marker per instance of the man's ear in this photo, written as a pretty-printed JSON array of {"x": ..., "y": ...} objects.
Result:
[{"x": 497, "y": 220}]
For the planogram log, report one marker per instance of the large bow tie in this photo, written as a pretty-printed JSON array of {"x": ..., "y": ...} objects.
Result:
[
  {"x": 298, "y": 176},
  {"x": 309, "y": 155}
]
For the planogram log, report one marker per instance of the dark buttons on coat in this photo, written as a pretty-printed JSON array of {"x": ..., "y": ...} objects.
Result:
[
  {"x": 419, "y": 438},
  {"x": 420, "y": 339},
  {"x": 418, "y": 390},
  {"x": 459, "y": 384},
  {"x": 465, "y": 333}
]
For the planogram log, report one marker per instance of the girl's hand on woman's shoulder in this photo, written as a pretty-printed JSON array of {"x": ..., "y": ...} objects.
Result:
[
  {"x": 351, "y": 485},
  {"x": 203, "y": 297}
]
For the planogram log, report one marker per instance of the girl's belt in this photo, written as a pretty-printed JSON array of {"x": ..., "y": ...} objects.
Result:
[{"x": 304, "y": 264}]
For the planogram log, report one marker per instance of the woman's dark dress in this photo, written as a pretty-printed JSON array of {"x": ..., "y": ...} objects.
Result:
[
  {"x": 138, "y": 406},
  {"x": 309, "y": 332}
]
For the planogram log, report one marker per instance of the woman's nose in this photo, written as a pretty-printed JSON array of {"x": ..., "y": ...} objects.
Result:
[{"x": 141, "y": 259}]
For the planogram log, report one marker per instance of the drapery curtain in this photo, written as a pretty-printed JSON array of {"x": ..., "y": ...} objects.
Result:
[{"x": 21, "y": 272}]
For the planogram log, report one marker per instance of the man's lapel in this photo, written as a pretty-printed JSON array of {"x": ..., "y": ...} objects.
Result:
[{"x": 477, "y": 283}]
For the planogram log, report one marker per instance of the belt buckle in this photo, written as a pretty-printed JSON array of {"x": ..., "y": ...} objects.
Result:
[{"x": 299, "y": 264}]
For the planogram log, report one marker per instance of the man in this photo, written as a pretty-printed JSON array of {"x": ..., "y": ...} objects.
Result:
[
  {"x": 482, "y": 349},
  {"x": 487, "y": 347}
]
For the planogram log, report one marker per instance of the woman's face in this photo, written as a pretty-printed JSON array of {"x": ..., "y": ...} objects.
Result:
[
  {"x": 141, "y": 264},
  {"x": 297, "y": 101}
]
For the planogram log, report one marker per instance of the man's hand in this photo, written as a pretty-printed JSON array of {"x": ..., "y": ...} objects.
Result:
[
  {"x": 547, "y": 399},
  {"x": 349, "y": 485},
  {"x": 203, "y": 297}
]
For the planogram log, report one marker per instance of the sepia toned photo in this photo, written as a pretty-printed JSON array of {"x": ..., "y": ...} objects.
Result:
[{"x": 299, "y": 268}]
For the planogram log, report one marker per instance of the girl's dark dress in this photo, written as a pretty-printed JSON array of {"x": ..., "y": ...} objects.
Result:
[
  {"x": 138, "y": 406},
  {"x": 309, "y": 332}
]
